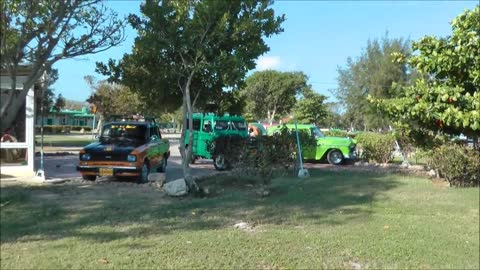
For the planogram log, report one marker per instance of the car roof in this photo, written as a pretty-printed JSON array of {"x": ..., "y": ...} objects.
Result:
[
  {"x": 292, "y": 126},
  {"x": 136, "y": 123}
]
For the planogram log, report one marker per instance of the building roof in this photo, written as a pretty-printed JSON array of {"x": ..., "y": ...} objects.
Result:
[{"x": 75, "y": 113}]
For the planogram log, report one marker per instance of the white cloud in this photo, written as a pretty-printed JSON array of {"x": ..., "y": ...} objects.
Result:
[{"x": 268, "y": 62}]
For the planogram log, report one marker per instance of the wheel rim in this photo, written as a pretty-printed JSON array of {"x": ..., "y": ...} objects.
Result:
[
  {"x": 144, "y": 173},
  {"x": 336, "y": 157},
  {"x": 220, "y": 161}
]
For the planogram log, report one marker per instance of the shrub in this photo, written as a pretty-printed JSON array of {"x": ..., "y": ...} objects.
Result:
[
  {"x": 335, "y": 133},
  {"x": 261, "y": 158},
  {"x": 375, "y": 147},
  {"x": 458, "y": 164}
]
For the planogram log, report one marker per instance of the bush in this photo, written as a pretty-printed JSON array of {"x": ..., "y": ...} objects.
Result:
[
  {"x": 335, "y": 133},
  {"x": 458, "y": 164},
  {"x": 375, "y": 147},
  {"x": 261, "y": 158}
]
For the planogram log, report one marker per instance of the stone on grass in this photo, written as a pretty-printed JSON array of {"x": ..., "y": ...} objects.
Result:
[
  {"x": 242, "y": 226},
  {"x": 156, "y": 177},
  {"x": 176, "y": 187}
]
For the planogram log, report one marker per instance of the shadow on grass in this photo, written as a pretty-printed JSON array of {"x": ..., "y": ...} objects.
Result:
[{"x": 105, "y": 213}]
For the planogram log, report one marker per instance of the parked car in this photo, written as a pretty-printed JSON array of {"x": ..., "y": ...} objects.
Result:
[
  {"x": 125, "y": 148},
  {"x": 207, "y": 127},
  {"x": 336, "y": 150}
]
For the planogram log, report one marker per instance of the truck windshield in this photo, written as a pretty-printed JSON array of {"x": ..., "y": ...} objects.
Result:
[
  {"x": 239, "y": 125},
  {"x": 317, "y": 133}
]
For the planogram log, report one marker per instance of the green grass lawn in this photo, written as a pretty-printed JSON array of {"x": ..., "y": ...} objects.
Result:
[
  {"x": 58, "y": 140},
  {"x": 332, "y": 220}
]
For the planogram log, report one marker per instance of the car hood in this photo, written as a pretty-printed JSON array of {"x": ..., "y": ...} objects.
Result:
[
  {"x": 99, "y": 147},
  {"x": 340, "y": 141}
]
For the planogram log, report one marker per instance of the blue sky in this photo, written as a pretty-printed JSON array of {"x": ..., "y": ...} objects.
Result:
[{"x": 319, "y": 36}]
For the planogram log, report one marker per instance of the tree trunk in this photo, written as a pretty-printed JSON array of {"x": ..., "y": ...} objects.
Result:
[
  {"x": 272, "y": 116},
  {"x": 187, "y": 155}
]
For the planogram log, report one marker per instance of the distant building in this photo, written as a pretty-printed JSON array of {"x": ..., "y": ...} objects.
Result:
[{"x": 66, "y": 117}]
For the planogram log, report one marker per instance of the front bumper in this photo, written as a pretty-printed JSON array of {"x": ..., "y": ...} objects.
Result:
[
  {"x": 116, "y": 170},
  {"x": 352, "y": 155}
]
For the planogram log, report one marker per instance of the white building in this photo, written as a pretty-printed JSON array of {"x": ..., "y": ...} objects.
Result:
[{"x": 18, "y": 144}]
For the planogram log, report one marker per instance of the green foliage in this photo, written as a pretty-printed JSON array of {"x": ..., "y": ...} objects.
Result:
[
  {"x": 375, "y": 147},
  {"x": 336, "y": 133},
  {"x": 202, "y": 45},
  {"x": 334, "y": 117},
  {"x": 311, "y": 108},
  {"x": 59, "y": 103},
  {"x": 115, "y": 99},
  {"x": 458, "y": 164},
  {"x": 271, "y": 93},
  {"x": 373, "y": 73},
  {"x": 44, "y": 98},
  {"x": 449, "y": 100},
  {"x": 261, "y": 158},
  {"x": 36, "y": 34}
]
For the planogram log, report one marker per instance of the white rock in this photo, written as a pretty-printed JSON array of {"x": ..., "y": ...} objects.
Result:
[
  {"x": 156, "y": 177},
  {"x": 242, "y": 226},
  {"x": 432, "y": 173},
  {"x": 176, "y": 187}
]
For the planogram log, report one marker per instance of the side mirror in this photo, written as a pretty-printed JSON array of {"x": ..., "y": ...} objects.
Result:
[{"x": 154, "y": 138}]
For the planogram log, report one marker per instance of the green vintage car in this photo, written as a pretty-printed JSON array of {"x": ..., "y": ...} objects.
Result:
[
  {"x": 335, "y": 150},
  {"x": 207, "y": 127}
]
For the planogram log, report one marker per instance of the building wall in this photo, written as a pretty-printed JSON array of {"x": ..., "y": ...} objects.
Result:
[{"x": 65, "y": 120}]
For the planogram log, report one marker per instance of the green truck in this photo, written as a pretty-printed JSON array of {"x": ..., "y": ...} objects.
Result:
[
  {"x": 335, "y": 150},
  {"x": 207, "y": 127}
]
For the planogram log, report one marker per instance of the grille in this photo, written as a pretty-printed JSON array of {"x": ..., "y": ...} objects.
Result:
[{"x": 108, "y": 157}]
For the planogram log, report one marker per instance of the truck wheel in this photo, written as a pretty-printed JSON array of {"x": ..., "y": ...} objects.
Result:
[
  {"x": 143, "y": 178},
  {"x": 219, "y": 162},
  {"x": 89, "y": 177},
  {"x": 335, "y": 157}
]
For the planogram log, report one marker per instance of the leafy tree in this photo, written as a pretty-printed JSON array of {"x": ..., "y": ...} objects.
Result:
[
  {"x": 39, "y": 33},
  {"x": 189, "y": 50},
  {"x": 59, "y": 103},
  {"x": 270, "y": 93},
  {"x": 334, "y": 117},
  {"x": 371, "y": 74},
  {"x": 44, "y": 94},
  {"x": 311, "y": 108},
  {"x": 114, "y": 99},
  {"x": 74, "y": 105},
  {"x": 447, "y": 99},
  {"x": 231, "y": 102}
]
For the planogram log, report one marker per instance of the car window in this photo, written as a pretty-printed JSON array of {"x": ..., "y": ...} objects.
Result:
[
  {"x": 221, "y": 125},
  {"x": 317, "y": 133}
]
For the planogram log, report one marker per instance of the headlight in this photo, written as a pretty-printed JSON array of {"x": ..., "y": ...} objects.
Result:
[
  {"x": 85, "y": 157},
  {"x": 131, "y": 158}
]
